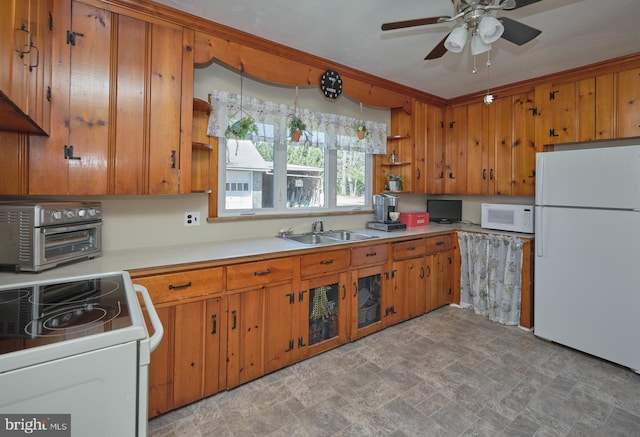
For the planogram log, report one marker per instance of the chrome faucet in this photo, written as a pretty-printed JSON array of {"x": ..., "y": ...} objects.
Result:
[{"x": 317, "y": 224}]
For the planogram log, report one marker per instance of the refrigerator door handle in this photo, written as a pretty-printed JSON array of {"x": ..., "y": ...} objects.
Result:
[
  {"x": 539, "y": 179},
  {"x": 539, "y": 232}
]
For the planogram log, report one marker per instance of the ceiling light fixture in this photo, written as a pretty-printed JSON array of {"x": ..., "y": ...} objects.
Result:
[{"x": 484, "y": 30}]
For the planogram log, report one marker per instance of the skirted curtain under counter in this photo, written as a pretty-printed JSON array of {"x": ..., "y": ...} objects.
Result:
[{"x": 491, "y": 275}]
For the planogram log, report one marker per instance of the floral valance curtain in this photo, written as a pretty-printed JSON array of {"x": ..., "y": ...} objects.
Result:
[
  {"x": 330, "y": 131},
  {"x": 490, "y": 275}
]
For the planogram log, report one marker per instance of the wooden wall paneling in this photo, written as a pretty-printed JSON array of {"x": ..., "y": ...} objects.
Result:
[
  {"x": 14, "y": 159},
  {"x": 278, "y": 69}
]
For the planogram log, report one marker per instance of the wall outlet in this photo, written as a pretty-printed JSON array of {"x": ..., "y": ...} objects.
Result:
[{"x": 192, "y": 218}]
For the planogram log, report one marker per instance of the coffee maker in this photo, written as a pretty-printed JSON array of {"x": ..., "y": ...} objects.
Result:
[{"x": 383, "y": 204}]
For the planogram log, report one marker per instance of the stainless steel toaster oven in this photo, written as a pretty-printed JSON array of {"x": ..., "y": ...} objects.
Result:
[{"x": 39, "y": 236}]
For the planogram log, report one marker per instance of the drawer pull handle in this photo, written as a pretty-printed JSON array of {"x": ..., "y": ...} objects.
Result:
[
  {"x": 344, "y": 292},
  {"x": 263, "y": 273},
  {"x": 215, "y": 324},
  {"x": 178, "y": 287},
  {"x": 233, "y": 314},
  {"x": 371, "y": 254},
  {"x": 421, "y": 272},
  {"x": 411, "y": 248},
  {"x": 439, "y": 243},
  {"x": 327, "y": 262}
]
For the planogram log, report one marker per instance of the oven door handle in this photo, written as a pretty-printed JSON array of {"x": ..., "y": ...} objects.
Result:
[{"x": 158, "y": 330}]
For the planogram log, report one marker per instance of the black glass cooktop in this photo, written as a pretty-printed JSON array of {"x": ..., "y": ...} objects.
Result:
[{"x": 36, "y": 315}]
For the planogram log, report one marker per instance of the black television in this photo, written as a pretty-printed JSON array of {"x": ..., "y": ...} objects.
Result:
[{"x": 444, "y": 211}]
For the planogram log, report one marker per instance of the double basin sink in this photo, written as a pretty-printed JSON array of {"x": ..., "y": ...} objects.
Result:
[{"x": 329, "y": 237}]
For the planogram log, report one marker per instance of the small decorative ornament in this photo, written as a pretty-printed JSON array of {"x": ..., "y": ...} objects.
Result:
[
  {"x": 488, "y": 99},
  {"x": 331, "y": 84}
]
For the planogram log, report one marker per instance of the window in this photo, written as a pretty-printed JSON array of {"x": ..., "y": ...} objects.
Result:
[{"x": 329, "y": 169}]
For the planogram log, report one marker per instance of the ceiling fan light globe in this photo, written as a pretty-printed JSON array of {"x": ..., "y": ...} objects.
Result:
[
  {"x": 490, "y": 29},
  {"x": 456, "y": 40},
  {"x": 478, "y": 46}
]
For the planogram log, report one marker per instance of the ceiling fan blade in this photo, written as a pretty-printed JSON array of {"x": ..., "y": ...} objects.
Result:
[
  {"x": 523, "y": 3},
  {"x": 411, "y": 23},
  {"x": 438, "y": 50},
  {"x": 517, "y": 32}
]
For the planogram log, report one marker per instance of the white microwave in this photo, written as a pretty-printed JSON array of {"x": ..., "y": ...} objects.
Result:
[{"x": 504, "y": 217}]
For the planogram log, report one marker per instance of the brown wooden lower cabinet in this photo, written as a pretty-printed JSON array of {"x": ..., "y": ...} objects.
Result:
[
  {"x": 245, "y": 337},
  {"x": 225, "y": 326}
]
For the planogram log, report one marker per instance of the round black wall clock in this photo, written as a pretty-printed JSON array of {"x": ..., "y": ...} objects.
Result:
[{"x": 331, "y": 84}]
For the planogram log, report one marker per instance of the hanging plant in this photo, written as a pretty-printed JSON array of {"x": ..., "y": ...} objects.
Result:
[
  {"x": 361, "y": 129},
  {"x": 241, "y": 128},
  {"x": 297, "y": 128}
]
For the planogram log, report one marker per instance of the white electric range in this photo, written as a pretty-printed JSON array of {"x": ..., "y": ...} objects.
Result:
[{"x": 76, "y": 346}]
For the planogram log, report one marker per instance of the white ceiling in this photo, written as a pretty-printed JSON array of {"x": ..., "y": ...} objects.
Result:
[{"x": 574, "y": 33}]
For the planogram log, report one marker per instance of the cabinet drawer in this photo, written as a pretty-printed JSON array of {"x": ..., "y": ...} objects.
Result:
[
  {"x": 369, "y": 255},
  {"x": 182, "y": 285},
  {"x": 409, "y": 249},
  {"x": 259, "y": 273},
  {"x": 324, "y": 262},
  {"x": 438, "y": 244}
]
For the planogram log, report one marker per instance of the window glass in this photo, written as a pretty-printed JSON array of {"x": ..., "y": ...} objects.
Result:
[
  {"x": 351, "y": 178},
  {"x": 305, "y": 176},
  {"x": 248, "y": 175}
]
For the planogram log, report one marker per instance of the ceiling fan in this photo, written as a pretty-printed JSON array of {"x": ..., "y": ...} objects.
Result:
[{"x": 477, "y": 19}]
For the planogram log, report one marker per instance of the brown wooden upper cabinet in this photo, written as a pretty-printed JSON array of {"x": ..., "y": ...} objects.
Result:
[
  {"x": 25, "y": 57},
  {"x": 117, "y": 107}
]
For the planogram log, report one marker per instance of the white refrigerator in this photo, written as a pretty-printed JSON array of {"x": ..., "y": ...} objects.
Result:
[{"x": 587, "y": 241}]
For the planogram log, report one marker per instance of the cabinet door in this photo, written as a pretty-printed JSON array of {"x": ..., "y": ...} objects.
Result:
[
  {"x": 499, "y": 157},
  {"x": 369, "y": 287},
  {"x": 556, "y": 120},
  {"x": 281, "y": 336},
  {"x": 188, "y": 353},
  {"x": 90, "y": 87},
  {"x": 164, "y": 107},
  {"x": 477, "y": 143},
  {"x": 436, "y": 147},
  {"x": 214, "y": 328},
  {"x": 420, "y": 135},
  {"x": 324, "y": 313},
  {"x": 628, "y": 98},
  {"x": 161, "y": 365},
  {"x": 456, "y": 167},
  {"x": 524, "y": 145},
  {"x": 408, "y": 292},
  {"x": 443, "y": 261},
  {"x": 245, "y": 335}
]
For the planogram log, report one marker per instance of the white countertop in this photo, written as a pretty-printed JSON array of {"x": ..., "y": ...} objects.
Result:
[{"x": 150, "y": 257}]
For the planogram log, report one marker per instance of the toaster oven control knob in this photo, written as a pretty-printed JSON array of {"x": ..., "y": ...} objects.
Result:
[
  {"x": 82, "y": 213},
  {"x": 69, "y": 213},
  {"x": 91, "y": 212},
  {"x": 56, "y": 215}
]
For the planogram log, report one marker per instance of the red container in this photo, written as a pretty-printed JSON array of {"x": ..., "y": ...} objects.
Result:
[{"x": 414, "y": 218}]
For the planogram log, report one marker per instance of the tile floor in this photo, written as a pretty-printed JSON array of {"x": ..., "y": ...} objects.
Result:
[{"x": 448, "y": 373}]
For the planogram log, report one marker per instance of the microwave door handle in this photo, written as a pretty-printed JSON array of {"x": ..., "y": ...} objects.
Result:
[{"x": 158, "y": 330}]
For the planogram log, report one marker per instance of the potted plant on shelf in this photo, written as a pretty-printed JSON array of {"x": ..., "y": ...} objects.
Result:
[
  {"x": 361, "y": 130},
  {"x": 394, "y": 182},
  {"x": 297, "y": 128},
  {"x": 241, "y": 128}
]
